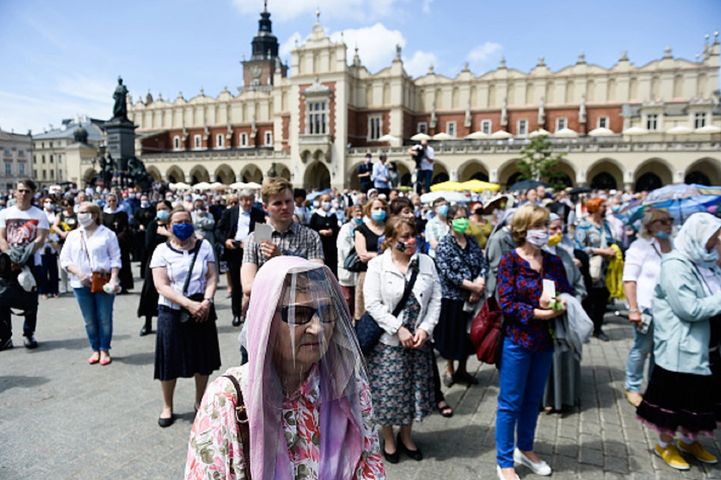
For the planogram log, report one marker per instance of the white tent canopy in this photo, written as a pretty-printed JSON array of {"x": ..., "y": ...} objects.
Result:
[
  {"x": 679, "y": 130},
  {"x": 708, "y": 129},
  {"x": 539, "y": 133},
  {"x": 601, "y": 132},
  {"x": 566, "y": 133},
  {"x": 479, "y": 135},
  {"x": 420, "y": 136},
  {"x": 443, "y": 136},
  {"x": 501, "y": 134},
  {"x": 633, "y": 131}
]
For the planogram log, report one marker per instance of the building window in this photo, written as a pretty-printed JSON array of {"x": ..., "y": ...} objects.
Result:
[
  {"x": 243, "y": 139},
  {"x": 43, "y": 158},
  {"x": 268, "y": 139},
  {"x": 219, "y": 140},
  {"x": 422, "y": 127},
  {"x": 375, "y": 127},
  {"x": 652, "y": 122},
  {"x": 45, "y": 175},
  {"x": 52, "y": 174},
  {"x": 51, "y": 158},
  {"x": 317, "y": 115},
  {"x": 522, "y": 128},
  {"x": 561, "y": 123},
  {"x": 196, "y": 142},
  {"x": 486, "y": 126},
  {"x": 8, "y": 169},
  {"x": 602, "y": 122},
  {"x": 176, "y": 143},
  {"x": 21, "y": 169},
  {"x": 699, "y": 119},
  {"x": 451, "y": 128}
]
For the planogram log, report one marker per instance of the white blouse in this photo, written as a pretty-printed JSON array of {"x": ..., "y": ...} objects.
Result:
[
  {"x": 177, "y": 264},
  {"x": 102, "y": 254},
  {"x": 643, "y": 265}
]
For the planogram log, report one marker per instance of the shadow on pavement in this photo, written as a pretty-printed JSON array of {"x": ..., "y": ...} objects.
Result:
[
  {"x": 144, "y": 358},
  {"x": 20, "y": 381},
  {"x": 72, "y": 343},
  {"x": 464, "y": 441}
]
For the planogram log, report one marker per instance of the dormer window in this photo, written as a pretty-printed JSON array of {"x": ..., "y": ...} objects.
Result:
[{"x": 699, "y": 119}]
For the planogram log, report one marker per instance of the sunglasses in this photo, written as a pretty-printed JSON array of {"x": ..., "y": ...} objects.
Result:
[{"x": 303, "y": 314}]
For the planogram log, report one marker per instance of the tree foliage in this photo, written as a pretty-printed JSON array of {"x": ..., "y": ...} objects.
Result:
[{"x": 540, "y": 163}]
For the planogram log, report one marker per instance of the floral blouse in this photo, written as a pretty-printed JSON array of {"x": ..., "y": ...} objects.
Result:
[
  {"x": 456, "y": 264},
  {"x": 214, "y": 451},
  {"x": 519, "y": 291}
]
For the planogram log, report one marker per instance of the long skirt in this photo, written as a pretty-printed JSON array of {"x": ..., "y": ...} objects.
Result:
[
  {"x": 401, "y": 384},
  {"x": 184, "y": 349},
  {"x": 451, "y": 333},
  {"x": 678, "y": 402}
]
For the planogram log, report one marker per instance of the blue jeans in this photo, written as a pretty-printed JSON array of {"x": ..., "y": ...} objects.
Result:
[
  {"x": 97, "y": 310},
  {"x": 523, "y": 377},
  {"x": 641, "y": 348}
]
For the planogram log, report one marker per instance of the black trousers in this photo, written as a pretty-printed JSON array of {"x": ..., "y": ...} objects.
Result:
[
  {"x": 13, "y": 296},
  {"x": 595, "y": 306},
  {"x": 235, "y": 260}
]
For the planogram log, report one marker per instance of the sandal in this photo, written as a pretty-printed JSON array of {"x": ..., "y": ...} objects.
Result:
[
  {"x": 94, "y": 358},
  {"x": 444, "y": 409}
]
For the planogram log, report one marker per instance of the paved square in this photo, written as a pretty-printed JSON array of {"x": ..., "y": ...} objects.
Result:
[{"x": 63, "y": 419}]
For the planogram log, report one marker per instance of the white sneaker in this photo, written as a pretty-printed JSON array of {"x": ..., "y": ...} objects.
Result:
[
  {"x": 500, "y": 474},
  {"x": 540, "y": 468}
]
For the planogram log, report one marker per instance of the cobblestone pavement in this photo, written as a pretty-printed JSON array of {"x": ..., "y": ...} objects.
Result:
[{"x": 63, "y": 419}]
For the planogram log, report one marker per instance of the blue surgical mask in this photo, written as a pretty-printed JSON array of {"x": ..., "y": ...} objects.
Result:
[
  {"x": 325, "y": 206},
  {"x": 662, "y": 235},
  {"x": 358, "y": 220},
  {"x": 183, "y": 231},
  {"x": 443, "y": 210},
  {"x": 709, "y": 259},
  {"x": 163, "y": 215},
  {"x": 378, "y": 215}
]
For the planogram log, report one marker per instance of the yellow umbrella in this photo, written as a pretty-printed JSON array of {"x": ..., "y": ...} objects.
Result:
[
  {"x": 447, "y": 187},
  {"x": 480, "y": 186}
]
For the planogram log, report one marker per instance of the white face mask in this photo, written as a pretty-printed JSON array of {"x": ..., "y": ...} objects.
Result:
[
  {"x": 538, "y": 237},
  {"x": 85, "y": 219}
]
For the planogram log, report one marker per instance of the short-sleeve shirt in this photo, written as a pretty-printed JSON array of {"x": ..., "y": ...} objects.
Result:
[
  {"x": 177, "y": 264},
  {"x": 21, "y": 226},
  {"x": 298, "y": 241}
]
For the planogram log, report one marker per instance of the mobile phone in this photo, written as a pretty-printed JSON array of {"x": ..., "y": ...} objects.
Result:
[{"x": 645, "y": 323}]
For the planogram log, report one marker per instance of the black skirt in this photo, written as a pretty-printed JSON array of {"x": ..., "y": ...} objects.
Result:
[
  {"x": 148, "y": 304},
  {"x": 184, "y": 349},
  {"x": 715, "y": 360},
  {"x": 678, "y": 402},
  {"x": 450, "y": 335}
]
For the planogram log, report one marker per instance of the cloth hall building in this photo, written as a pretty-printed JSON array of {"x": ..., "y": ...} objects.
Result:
[{"x": 313, "y": 121}]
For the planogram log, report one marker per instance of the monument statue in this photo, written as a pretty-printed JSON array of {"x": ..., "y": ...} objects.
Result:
[{"x": 120, "y": 109}]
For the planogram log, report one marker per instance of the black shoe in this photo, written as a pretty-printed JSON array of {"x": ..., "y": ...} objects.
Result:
[
  {"x": 146, "y": 330},
  {"x": 6, "y": 344},
  {"x": 392, "y": 457},
  {"x": 30, "y": 342},
  {"x": 601, "y": 335},
  {"x": 166, "y": 422},
  {"x": 236, "y": 321},
  {"x": 465, "y": 377},
  {"x": 416, "y": 455}
]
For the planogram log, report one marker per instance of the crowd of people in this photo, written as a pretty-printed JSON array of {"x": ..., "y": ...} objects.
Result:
[{"x": 303, "y": 269}]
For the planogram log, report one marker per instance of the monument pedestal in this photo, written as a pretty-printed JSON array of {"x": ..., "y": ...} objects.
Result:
[{"x": 120, "y": 140}]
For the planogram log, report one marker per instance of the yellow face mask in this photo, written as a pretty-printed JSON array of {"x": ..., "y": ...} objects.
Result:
[{"x": 554, "y": 240}]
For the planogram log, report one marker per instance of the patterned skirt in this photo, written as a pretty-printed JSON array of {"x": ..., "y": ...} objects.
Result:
[
  {"x": 402, "y": 378},
  {"x": 678, "y": 402}
]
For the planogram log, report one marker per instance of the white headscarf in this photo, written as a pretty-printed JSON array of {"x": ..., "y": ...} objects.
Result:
[{"x": 694, "y": 235}]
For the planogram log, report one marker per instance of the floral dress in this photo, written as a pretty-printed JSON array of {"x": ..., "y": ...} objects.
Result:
[{"x": 214, "y": 451}]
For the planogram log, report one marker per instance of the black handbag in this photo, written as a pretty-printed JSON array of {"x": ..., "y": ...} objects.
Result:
[
  {"x": 367, "y": 329},
  {"x": 353, "y": 263}
]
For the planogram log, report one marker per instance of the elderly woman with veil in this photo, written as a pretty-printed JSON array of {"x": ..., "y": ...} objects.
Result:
[{"x": 305, "y": 389}]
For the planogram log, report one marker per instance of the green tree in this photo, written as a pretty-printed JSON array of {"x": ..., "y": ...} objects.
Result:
[{"x": 540, "y": 163}]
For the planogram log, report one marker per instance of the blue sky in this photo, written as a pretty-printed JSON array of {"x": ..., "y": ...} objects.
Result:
[{"x": 61, "y": 58}]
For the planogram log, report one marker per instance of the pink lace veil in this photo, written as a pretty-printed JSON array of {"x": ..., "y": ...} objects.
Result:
[{"x": 284, "y": 282}]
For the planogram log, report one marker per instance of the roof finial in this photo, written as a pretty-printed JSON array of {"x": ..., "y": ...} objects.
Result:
[
  {"x": 624, "y": 56},
  {"x": 398, "y": 51},
  {"x": 502, "y": 62},
  {"x": 265, "y": 6},
  {"x": 667, "y": 52},
  {"x": 581, "y": 57},
  {"x": 317, "y": 15}
]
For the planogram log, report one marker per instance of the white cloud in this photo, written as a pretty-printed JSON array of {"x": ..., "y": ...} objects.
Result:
[
  {"x": 284, "y": 10},
  {"x": 418, "y": 64},
  {"x": 286, "y": 47},
  {"x": 485, "y": 53},
  {"x": 376, "y": 44}
]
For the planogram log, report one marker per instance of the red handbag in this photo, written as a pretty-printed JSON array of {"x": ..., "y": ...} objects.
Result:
[{"x": 486, "y": 332}]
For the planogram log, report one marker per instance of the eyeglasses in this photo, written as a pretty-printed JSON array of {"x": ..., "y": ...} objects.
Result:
[
  {"x": 302, "y": 314},
  {"x": 665, "y": 221}
]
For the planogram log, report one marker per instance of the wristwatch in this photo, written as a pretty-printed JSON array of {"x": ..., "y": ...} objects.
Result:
[{"x": 209, "y": 299}]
